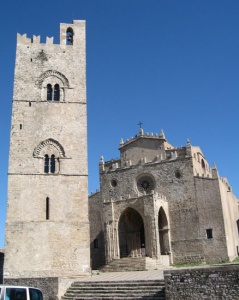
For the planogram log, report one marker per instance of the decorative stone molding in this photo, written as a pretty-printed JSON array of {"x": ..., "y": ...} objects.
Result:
[
  {"x": 54, "y": 73},
  {"x": 52, "y": 142}
]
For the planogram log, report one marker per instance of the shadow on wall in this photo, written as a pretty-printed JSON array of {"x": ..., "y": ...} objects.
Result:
[
  {"x": 1, "y": 265},
  {"x": 97, "y": 251}
]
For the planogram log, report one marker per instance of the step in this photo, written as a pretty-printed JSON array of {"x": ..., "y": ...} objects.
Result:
[
  {"x": 112, "y": 296},
  {"x": 139, "y": 289},
  {"x": 125, "y": 264}
]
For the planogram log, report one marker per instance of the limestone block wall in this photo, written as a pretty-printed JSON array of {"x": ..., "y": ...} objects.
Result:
[
  {"x": 49, "y": 286},
  {"x": 97, "y": 237},
  {"x": 230, "y": 210},
  {"x": 216, "y": 282},
  {"x": 210, "y": 216},
  {"x": 58, "y": 246},
  {"x": 148, "y": 147},
  {"x": 47, "y": 225}
]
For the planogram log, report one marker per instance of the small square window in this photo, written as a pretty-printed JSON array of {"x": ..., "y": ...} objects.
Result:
[{"x": 209, "y": 233}]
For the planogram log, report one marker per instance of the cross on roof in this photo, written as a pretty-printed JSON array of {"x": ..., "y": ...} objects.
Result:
[{"x": 140, "y": 124}]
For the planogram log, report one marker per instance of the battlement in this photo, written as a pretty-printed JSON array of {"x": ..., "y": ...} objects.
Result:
[
  {"x": 156, "y": 196},
  {"x": 23, "y": 39},
  {"x": 69, "y": 34},
  {"x": 151, "y": 135}
]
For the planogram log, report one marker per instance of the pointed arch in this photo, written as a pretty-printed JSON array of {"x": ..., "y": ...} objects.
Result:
[
  {"x": 163, "y": 232},
  {"x": 131, "y": 233},
  {"x": 51, "y": 142}
]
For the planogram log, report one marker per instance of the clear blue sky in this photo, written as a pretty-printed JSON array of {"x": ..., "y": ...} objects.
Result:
[{"x": 174, "y": 65}]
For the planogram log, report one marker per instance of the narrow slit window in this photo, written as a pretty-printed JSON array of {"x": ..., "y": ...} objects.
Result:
[
  {"x": 47, "y": 208},
  {"x": 56, "y": 92},
  {"x": 46, "y": 164},
  {"x": 53, "y": 164},
  {"x": 20, "y": 126},
  {"x": 49, "y": 92},
  {"x": 209, "y": 233},
  {"x": 30, "y": 104}
]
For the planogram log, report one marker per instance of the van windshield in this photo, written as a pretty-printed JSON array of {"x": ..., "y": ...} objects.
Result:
[
  {"x": 16, "y": 294},
  {"x": 35, "y": 294}
]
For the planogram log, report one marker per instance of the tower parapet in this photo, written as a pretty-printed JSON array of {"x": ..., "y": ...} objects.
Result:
[{"x": 70, "y": 34}]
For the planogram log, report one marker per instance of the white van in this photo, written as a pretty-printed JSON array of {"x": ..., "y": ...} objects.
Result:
[{"x": 9, "y": 292}]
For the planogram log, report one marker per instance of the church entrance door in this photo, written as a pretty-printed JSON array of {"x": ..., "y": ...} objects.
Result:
[{"x": 131, "y": 234}]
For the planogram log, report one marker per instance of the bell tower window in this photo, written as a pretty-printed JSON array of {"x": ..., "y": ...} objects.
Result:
[
  {"x": 56, "y": 92},
  {"x": 46, "y": 164},
  {"x": 69, "y": 36},
  {"x": 53, "y": 165},
  {"x": 49, "y": 92},
  {"x": 49, "y": 164}
]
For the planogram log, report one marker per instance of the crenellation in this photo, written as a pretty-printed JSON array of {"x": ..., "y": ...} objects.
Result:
[
  {"x": 36, "y": 39},
  {"x": 23, "y": 39},
  {"x": 49, "y": 40}
]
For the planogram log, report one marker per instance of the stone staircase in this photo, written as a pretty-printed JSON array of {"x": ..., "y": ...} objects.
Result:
[
  {"x": 134, "y": 264},
  {"x": 116, "y": 290},
  {"x": 125, "y": 264}
]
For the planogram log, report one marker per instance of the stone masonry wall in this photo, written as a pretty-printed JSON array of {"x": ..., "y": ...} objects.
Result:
[
  {"x": 216, "y": 282},
  {"x": 48, "y": 286},
  {"x": 210, "y": 216},
  {"x": 49, "y": 234},
  {"x": 97, "y": 242},
  {"x": 179, "y": 190}
]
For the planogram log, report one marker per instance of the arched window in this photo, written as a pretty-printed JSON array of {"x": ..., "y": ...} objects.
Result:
[
  {"x": 53, "y": 165},
  {"x": 49, "y": 92},
  {"x": 56, "y": 92},
  {"x": 46, "y": 164},
  {"x": 203, "y": 164},
  {"x": 69, "y": 36}
]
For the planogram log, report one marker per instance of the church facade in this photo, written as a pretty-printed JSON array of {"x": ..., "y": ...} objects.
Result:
[{"x": 164, "y": 203}]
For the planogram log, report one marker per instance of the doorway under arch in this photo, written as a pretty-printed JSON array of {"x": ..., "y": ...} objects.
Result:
[
  {"x": 163, "y": 232},
  {"x": 131, "y": 234}
]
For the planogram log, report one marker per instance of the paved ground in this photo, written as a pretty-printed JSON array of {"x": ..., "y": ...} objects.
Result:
[{"x": 123, "y": 276}]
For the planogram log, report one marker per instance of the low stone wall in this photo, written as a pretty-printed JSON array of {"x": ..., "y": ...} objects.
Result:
[
  {"x": 48, "y": 286},
  {"x": 216, "y": 282}
]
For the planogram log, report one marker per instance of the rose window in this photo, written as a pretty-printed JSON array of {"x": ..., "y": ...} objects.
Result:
[{"x": 145, "y": 184}]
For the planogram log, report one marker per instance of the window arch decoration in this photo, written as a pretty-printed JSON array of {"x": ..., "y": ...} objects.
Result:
[
  {"x": 53, "y": 86},
  {"x": 54, "y": 73},
  {"x": 49, "y": 153},
  {"x": 49, "y": 142}
]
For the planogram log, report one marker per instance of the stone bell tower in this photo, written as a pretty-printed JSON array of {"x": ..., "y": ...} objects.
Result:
[{"x": 47, "y": 227}]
